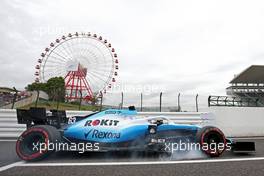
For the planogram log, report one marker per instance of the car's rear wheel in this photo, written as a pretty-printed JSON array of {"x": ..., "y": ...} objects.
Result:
[
  {"x": 212, "y": 141},
  {"x": 33, "y": 143}
]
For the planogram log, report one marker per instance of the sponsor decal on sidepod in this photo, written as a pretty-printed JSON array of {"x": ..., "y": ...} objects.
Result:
[
  {"x": 102, "y": 134},
  {"x": 101, "y": 122}
]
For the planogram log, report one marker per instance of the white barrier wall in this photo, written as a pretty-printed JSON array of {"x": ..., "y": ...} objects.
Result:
[
  {"x": 234, "y": 121},
  {"x": 9, "y": 128},
  {"x": 239, "y": 121}
]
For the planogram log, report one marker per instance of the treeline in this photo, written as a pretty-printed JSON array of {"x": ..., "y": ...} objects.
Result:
[{"x": 54, "y": 87}]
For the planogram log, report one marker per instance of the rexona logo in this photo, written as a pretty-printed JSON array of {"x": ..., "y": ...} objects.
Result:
[
  {"x": 101, "y": 122},
  {"x": 102, "y": 134}
]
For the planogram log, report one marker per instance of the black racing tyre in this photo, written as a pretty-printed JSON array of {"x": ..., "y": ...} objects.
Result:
[
  {"x": 212, "y": 141},
  {"x": 28, "y": 143}
]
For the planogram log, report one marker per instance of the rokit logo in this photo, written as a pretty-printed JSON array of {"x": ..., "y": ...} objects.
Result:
[
  {"x": 101, "y": 122},
  {"x": 102, "y": 134}
]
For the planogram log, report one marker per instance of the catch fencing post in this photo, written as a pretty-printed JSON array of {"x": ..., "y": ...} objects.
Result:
[
  {"x": 101, "y": 102},
  {"x": 141, "y": 101},
  {"x": 80, "y": 100},
  {"x": 14, "y": 98},
  {"x": 36, "y": 103},
  {"x": 196, "y": 102},
  {"x": 122, "y": 99},
  {"x": 160, "y": 100},
  {"x": 179, "y": 107}
]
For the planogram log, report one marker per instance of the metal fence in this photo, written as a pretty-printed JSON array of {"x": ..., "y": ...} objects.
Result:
[
  {"x": 154, "y": 101},
  {"x": 158, "y": 102}
]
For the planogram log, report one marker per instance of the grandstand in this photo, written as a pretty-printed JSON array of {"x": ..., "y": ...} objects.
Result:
[
  {"x": 7, "y": 96},
  {"x": 247, "y": 89}
]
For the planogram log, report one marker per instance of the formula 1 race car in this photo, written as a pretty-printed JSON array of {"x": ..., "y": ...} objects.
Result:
[{"x": 116, "y": 130}]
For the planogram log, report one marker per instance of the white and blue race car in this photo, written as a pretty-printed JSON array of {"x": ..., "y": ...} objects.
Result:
[{"x": 115, "y": 130}]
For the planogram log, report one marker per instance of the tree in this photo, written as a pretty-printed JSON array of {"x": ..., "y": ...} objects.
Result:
[
  {"x": 37, "y": 86},
  {"x": 55, "y": 88}
]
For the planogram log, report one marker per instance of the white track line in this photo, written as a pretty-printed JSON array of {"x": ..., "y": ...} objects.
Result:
[
  {"x": 8, "y": 140},
  {"x": 11, "y": 165},
  {"x": 247, "y": 138},
  {"x": 238, "y": 138},
  {"x": 23, "y": 164},
  {"x": 141, "y": 163}
]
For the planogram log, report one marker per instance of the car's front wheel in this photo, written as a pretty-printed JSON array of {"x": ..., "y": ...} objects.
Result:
[{"x": 212, "y": 141}]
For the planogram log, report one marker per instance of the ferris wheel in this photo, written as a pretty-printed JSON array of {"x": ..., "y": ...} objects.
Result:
[{"x": 87, "y": 62}]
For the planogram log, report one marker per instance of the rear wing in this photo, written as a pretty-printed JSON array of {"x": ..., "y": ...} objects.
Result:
[{"x": 39, "y": 116}]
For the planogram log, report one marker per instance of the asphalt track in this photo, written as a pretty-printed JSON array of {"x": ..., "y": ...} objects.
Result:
[{"x": 68, "y": 163}]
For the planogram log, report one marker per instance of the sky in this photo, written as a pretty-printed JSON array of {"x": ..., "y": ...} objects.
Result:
[{"x": 170, "y": 46}]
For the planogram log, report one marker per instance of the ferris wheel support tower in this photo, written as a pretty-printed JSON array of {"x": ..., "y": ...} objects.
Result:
[{"x": 76, "y": 84}]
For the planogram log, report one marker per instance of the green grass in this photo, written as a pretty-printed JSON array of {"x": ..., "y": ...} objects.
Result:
[{"x": 62, "y": 106}]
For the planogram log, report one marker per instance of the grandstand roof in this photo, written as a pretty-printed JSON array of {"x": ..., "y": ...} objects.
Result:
[
  {"x": 6, "y": 89},
  {"x": 253, "y": 74}
]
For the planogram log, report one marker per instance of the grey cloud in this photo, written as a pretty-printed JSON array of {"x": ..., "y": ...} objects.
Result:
[{"x": 173, "y": 45}]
